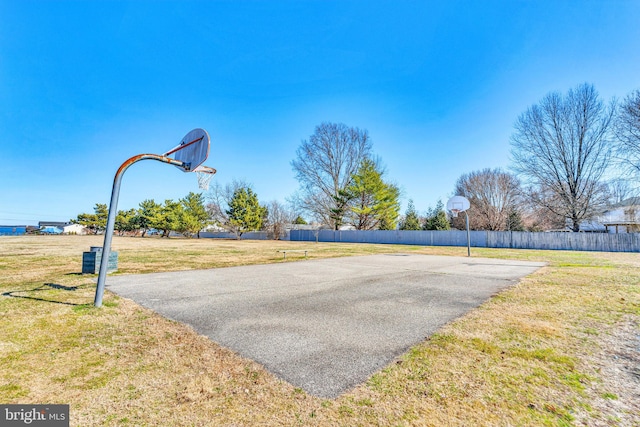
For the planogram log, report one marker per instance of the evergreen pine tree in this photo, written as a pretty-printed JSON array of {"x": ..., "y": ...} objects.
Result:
[
  {"x": 411, "y": 221},
  {"x": 245, "y": 213},
  {"x": 514, "y": 221},
  {"x": 147, "y": 212},
  {"x": 299, "y": 220},
  {"x": 373, "y": 203},
  {"x": 194, "y": 215},
  {"x": 437, "y": 218}
]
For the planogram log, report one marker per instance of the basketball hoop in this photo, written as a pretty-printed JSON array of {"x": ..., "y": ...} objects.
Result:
[
  {"x": 188, "y": 156},
  {"x": 192, "y": 151},
  {"x": 458, "y": 204},
  {"x": 204, "y": 175}
]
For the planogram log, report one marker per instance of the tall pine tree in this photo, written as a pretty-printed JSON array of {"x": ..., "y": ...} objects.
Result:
[
  {"x": 411, "y": 220},
  {"x": 373, "y": 203},
  {"x": 147, "y": 212},
  {"x": 194, "y": 214},
  {"x": 437, "y": 218},
  {"x": 245, "y": 213}
]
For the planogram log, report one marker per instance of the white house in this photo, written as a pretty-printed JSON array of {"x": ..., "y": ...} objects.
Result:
[
  {"x": 623, "y": 217},
  {"x": 74, "y": 229},
  {"x": 65, "y": 227}
]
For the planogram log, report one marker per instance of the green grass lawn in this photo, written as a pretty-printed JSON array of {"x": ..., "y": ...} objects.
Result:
[{"x": 522, "y": 358}]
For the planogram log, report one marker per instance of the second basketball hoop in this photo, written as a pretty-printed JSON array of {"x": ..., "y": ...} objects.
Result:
[{"x": 458, "y": 204}]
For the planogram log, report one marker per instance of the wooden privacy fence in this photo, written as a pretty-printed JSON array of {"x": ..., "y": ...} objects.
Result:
[{"x": 626, "y": 242}]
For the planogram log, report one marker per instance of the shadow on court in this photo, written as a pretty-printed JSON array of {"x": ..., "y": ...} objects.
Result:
[{"x": 324, "y": 325}]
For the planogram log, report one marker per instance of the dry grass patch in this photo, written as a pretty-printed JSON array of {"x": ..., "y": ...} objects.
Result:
[{"x": 526, "y": 357}]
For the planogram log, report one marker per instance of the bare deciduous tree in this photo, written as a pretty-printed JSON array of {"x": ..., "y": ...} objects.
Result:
[
  {"x": 535, "y": 216},
  {"x": 278, "y": 216},
  {"x": 493, "y": 194},
  {"x": 628, "y": 132},
  {"x": 562, "y": 146},
  {"x": 619, "y": 190},
  {"x": 324, "y": 166}
]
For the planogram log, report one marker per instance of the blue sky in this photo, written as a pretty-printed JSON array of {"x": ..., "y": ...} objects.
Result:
[{"x": 438, "y": 85}]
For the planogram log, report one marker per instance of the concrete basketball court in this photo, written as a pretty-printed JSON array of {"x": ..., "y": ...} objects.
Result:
[{"x": 324, "y": 325}]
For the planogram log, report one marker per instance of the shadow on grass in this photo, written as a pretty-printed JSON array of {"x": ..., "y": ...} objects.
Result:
[{"x": 46, "y": 287}]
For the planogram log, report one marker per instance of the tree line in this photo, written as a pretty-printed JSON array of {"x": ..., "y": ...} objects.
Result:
[
  {"x": 572, "y": 154},
  {"x": 234, "y": 208},
  {"x": 187, "y": 216}
]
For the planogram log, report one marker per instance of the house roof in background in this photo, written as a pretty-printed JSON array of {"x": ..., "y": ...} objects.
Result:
[
  {"x": 631, "y": 201},
  {"x": 53, "y": 224}
]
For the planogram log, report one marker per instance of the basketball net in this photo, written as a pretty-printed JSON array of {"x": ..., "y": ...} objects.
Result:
[
  {"x": 204, "y": 174},
  {"x": 455, "y": 213}
]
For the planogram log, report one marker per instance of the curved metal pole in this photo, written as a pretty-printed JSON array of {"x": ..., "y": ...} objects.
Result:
[{"x": 111, "y": 219}]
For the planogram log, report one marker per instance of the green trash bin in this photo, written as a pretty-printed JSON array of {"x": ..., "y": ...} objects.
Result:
[{"x": 91, "y": 261}]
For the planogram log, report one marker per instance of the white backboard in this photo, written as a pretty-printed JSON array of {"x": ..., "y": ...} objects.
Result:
[
  {"x": 193, "y": 150},
  {"x": 459, "y": 203}
]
